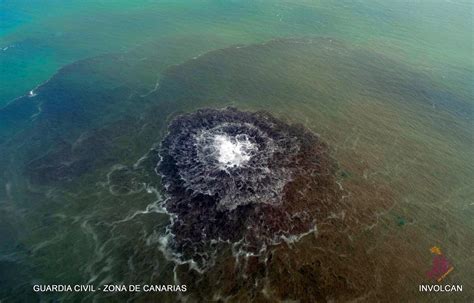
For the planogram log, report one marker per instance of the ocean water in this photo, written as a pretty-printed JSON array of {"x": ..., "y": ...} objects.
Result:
[
  {"x": 39, "y": 37},
  {"x": 388, "y": 85}
]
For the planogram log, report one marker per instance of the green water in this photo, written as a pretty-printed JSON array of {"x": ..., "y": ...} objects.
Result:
[
  {"x": 43, "y": 36},
  {"x": 388, "y": 85}
]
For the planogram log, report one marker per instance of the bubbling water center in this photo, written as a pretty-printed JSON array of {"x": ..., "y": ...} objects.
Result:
[{"x": 233, "y": 151}]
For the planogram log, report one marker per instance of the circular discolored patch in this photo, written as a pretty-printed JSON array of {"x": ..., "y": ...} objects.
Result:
[{"x": 240, "y": 177}]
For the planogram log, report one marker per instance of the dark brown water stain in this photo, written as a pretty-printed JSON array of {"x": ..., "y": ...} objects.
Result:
[
  {"x": 355, "y": 253},
  {"x": 290, "y": 171}
]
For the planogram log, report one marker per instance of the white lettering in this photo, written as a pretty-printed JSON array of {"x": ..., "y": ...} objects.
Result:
[
  {"x": 166, "y": 288},
  {"x": 439, "y": 288}
]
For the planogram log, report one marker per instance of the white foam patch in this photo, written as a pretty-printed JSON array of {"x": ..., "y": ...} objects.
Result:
[{"x": 233, "y": 151}]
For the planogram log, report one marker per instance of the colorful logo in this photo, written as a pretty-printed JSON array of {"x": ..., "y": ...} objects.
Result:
[{"x": 441, "y": 266}]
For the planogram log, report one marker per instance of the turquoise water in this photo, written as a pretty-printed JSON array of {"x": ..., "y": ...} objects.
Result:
[
  {"x": 39, "y": 37},
  {"x": 387, "y": 85}
]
